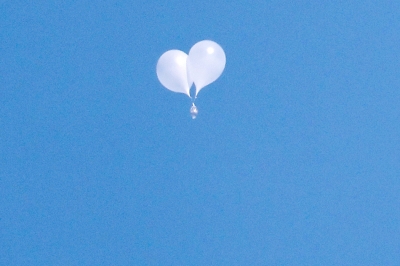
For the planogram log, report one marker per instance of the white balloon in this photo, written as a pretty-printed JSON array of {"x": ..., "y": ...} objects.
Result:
[
  {"x": 206, "y": 62},
  {"x": 172, "y": 71}
]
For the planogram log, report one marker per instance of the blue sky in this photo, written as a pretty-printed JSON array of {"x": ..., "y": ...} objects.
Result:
[{"x": 294, "y": 158}]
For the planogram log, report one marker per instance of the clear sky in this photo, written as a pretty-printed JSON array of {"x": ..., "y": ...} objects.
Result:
[{"x": 294, "y": 158}]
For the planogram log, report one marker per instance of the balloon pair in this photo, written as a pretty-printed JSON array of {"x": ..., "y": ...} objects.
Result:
[{"x": 177, "y": 71}]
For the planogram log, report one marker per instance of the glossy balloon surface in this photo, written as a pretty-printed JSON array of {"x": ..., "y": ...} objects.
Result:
[
  {"x": 206, "y": 62},
  {"x": 172, "y": 71}
]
